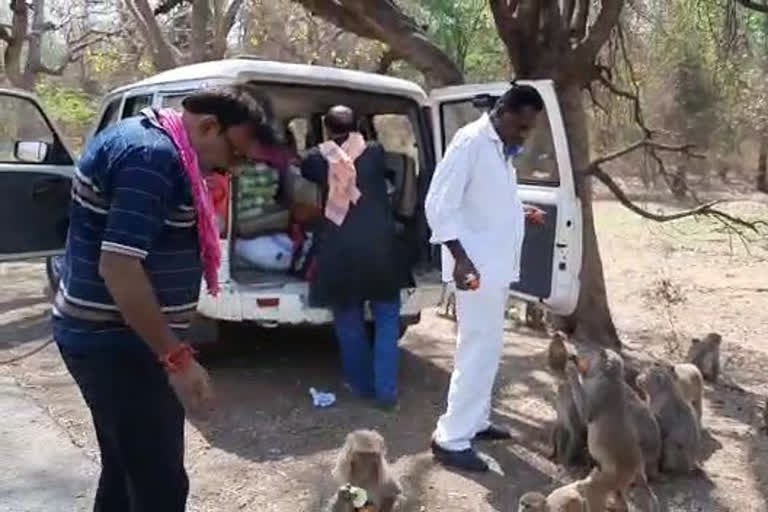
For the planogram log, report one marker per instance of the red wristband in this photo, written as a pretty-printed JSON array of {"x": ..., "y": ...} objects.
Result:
[{"x": 178, "y": 359}]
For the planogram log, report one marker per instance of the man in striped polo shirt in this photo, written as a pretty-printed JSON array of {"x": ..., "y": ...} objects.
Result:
[{"x": 130, "y": 286}]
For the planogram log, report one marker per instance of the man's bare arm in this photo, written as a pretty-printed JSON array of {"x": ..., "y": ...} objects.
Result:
[{"x": 129, "y": 286}]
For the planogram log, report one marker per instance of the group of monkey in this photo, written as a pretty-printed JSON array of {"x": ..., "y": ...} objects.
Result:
[{"x": 629, "y": 426}]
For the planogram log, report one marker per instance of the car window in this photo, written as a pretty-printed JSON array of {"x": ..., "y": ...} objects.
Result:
[
  {"x": 395, "y": 132},
  {"x": 173, "y": 100},
  {"x": 536, "y": 165},
  {"x": 135, "y": 104},
  {"x": 21, "y": 121},
  {"x": 298, "y": 129},
  {"x": 111, "y": 114}
]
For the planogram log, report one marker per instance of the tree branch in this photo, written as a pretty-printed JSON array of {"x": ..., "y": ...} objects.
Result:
[
  {"x": 594, "y": 169},
  {"x": 608, "y": 17},
  {"x": 230, "y": 16},
  {"x": 384, "y": 21},
  {"x": 508, "y": 27},
  {"x": 578, "y": 20},
  {"x": 754, "y": 5},
  {"x": 707, "y": 209}
]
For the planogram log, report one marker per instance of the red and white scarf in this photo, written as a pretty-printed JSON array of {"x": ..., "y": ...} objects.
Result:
[
  {"x": 342, "y": 175},
  {"x": 207, "y": 227}
]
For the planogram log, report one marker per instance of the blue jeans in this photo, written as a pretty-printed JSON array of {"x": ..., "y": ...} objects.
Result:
[{"x": 372, "y": 372}]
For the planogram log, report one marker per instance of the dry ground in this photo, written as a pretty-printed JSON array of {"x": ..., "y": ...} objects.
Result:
[{"x": 268, "y": 449}]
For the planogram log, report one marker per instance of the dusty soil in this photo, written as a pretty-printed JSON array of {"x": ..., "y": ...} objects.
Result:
[{"x": 268, "y": 449}]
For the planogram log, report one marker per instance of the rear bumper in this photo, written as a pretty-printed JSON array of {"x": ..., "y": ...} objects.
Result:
[{"x": 288, "y": 305}]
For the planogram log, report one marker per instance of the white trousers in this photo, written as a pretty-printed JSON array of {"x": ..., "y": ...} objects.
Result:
[{"x": 480, "y": 340}]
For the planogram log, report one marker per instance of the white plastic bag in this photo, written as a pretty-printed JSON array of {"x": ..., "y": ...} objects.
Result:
[{"x": 271, "y": 252}]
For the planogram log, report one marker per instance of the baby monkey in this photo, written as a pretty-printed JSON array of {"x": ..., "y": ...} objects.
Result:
[
  {"x": 362, "y": 463},
  {"x": 587, "y": 495}
]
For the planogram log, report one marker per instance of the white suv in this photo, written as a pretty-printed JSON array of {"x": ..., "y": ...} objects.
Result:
[{"x": 412, "y": 126}]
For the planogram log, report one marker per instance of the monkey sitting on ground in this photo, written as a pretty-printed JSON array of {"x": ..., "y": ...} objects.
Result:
[
  {"x": 691, "y": 383},
  {"x": 569, "y": 434},
  {"x": 587, "y": 495},
  {"x": 705, "y": 354},
  {"x": 362, "y": 463},
  {"x": 680, "y": 434},
  {"x": 600, "y": 393}
]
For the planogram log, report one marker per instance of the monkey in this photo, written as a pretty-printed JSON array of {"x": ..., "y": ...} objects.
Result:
[
  {"x": 600, "y": 394},
  {"x": 569, "y": 434},
  {"x": 680, "y": 434},
  {"x": 691, "y": 383},
  {"x": 362, "y": 463},
  {"x": 648, "y": 431},
  {"x": 705, "y": 354},
  {"x": 587, "y": 495}
]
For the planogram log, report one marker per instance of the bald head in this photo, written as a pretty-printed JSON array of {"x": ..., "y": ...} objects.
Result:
[{"x": 339, "y": 120}]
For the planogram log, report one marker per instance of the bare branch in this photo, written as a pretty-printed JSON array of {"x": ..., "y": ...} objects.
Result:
[
  {"x": 707, "y": 209},
  {"x": 600, "y": 31},
  {"x": 594, "y": 169},
  {"x": 578, "y": 21},
  {"x": 754, "y": 5},
  {"x": 644, "y": 143},
  {"x": 230, "y": 16},
  {"x": 634, "y": 98}
]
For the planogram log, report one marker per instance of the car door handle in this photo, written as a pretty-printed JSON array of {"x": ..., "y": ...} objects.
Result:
[{"x": 46, "y": 186}]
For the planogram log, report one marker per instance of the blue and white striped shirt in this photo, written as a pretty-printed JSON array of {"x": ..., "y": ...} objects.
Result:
[{"x": 129, "y": 196}]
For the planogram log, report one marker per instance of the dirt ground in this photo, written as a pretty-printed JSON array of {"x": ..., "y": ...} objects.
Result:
[{"x": 268, "y": 449}]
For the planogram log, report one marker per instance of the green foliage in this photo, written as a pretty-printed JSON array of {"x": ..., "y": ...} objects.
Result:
[
  {"x": 465, "y": 30},
  {"x": 65, "y": 105}
]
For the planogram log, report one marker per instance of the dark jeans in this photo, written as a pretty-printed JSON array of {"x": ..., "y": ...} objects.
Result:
[
  {"x": 371, "y": 373},
  {"x": 140, "y": 428}
]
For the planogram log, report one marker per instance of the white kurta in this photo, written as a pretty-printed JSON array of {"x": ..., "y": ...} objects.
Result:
[{"x": 473, "y": 198}]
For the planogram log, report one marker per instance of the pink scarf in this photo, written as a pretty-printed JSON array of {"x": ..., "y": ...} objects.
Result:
[
  {"x": 207, "y": 230},
  {"x": 342, "y": 176}
]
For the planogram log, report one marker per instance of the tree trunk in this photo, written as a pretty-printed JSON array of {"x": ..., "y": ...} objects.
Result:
[
  {"x": 762, "y": 160},
  {"x": 592, "y": 321},
  {"x": 201, "y": 17}
]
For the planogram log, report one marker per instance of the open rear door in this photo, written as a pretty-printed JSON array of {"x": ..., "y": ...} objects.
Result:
[
  {"x": 35, "y": 177},
  {"x": 551, "y": 258}
]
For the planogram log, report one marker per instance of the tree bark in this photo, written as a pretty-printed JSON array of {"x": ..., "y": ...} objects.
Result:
[
  {"x": 592, "y": 321},
  {"x": 762, "y": 162},
  {"x": 201, "y": 17},
  {"x": 164, "y": 54}
]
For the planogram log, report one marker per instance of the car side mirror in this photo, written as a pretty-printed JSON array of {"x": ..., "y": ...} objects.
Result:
[{"x": 33, "y": 152}]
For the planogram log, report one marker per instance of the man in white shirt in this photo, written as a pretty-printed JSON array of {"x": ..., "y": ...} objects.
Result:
[{"x": 474, "y": 211}]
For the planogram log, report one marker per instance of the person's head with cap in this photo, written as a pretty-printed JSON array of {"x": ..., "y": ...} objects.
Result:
[
  {"x": 226, "y": 126},
  {"x": 339, "y": 122}
]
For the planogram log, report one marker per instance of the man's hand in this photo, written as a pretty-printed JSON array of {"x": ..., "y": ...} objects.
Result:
[
  {"x": 465, "y": 275},
  {"x": 534, "y": 215},
  {"x": 193, "y": 387}
]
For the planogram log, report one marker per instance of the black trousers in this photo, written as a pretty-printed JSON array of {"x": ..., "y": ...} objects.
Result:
[{"x": 139, "y": 424}]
